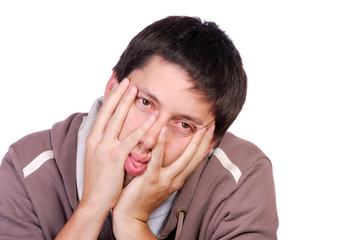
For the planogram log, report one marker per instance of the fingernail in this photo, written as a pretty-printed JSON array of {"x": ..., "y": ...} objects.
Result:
[
  {"x": 124, "y": 82},
  {"x": 164, "y": 131},
  {"x": 114, "y": 87},
  {"x": 132, "y": 89},
  {"x": 152, "y": 119}
]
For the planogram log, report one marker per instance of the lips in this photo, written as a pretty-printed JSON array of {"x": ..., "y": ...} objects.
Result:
[{"x": 136, "y": 164}]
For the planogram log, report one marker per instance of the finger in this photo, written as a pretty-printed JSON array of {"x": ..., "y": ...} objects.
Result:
[
  {"x": 133, "y": 139},
  {"x": 109, "y": 106},
  {"x": 157, "y": 157},
  {"x": 117, "y": 120},
  {"x": 198, "y": 156},
  {"x": 180, "y": 164}
]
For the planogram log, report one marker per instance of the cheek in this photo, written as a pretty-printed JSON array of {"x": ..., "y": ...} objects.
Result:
[{"x": 174, "y": 147}]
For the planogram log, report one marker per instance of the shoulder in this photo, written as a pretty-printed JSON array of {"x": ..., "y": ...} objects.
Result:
[
  {"x": 41, "y": 162},
  {"x": 233, "y": 193},
  {"x": 239, "y": 156},
  {"x": 247, "y": 202},
  {"x": 39, "y": 146},
  {"x": 28, "y": 148}
]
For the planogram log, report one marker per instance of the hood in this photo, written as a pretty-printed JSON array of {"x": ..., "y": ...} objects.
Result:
[{"x": 64, "y": 145}]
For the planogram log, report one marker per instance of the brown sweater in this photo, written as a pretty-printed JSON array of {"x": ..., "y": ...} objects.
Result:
[{"x": 230, "y": 196}]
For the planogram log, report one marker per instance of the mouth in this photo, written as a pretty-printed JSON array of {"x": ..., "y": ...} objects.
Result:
[{"x": 135, "y": 164}]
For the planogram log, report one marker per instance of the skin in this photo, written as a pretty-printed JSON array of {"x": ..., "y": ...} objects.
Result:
[
  {"x": 127, "y": 129},
  {"x": 163, "y": 91}
]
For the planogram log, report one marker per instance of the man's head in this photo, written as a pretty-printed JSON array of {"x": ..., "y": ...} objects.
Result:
[{"x": 206, "y": 54}]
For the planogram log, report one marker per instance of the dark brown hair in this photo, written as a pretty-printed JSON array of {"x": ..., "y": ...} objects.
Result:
[{"x": 204, "y": 51}]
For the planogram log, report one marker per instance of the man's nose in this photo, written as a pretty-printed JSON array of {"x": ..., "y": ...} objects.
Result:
[{"x": 150, "y": 138}]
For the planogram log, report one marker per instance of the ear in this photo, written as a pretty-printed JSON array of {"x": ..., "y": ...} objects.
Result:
[{"x": 112, "y": 83}]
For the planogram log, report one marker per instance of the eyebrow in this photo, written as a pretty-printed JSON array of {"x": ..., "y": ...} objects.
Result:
[
  {"x": 153, "y": 98},
  {"x": 149, "y": 94},
  {"x": 195, "y": 120}
]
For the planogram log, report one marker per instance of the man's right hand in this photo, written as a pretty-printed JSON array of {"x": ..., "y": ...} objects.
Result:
[
  {"x": 104, "y": 163},
  {"x": 105, "y": 153}
]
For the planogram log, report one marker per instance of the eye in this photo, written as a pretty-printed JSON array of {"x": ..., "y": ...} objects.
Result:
[
  {"x": 186, "y": 126},
  {"x": 144, "y": 102}
]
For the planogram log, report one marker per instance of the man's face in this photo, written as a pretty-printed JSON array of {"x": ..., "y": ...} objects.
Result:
[{"x": 164, "y": 90}]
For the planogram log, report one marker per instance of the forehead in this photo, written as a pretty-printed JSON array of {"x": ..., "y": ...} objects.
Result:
[{"x": 171, "y": 86}]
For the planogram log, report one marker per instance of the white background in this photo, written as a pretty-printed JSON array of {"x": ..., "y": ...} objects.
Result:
[{"x": 302, "y": 61}]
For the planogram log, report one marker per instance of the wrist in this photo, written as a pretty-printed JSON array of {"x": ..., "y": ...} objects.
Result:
[
  {"x": 91, "y": 210},
  {"x": 123, "y": 212},
  {"x": 95, "y": 206},
  {"x": 126, "y": 227},
  {"x": 85, "y": 223}
]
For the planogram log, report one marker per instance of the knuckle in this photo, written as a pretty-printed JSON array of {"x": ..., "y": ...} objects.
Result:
[
  {"x": 154, "y": 179},
  {"x": 133, "y": 138},
  {"x": 144, "y": 127},
  {"x": 175, "y": 186},
  {"x": 128, "y": 97},
  {"x": 102, "y": 149},
  {"x": 157, "y": 153},
  {"x": 90, "y": 142},
  {"x": 166, "y": 188}
]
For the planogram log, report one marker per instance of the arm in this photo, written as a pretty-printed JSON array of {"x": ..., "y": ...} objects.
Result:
[
  {"x": 250, "y": 212},
  {"x": 17, "y": 217}
]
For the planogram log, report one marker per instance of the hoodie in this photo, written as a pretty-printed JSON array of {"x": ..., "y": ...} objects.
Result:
[{"x": 231, "y": 195}]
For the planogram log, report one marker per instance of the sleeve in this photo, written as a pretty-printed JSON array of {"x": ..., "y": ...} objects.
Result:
[
  {"x": 250, "y": 212},
  {"x": 18, "y": 219}
]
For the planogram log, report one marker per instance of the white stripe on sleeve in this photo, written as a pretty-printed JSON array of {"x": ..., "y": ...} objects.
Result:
[
  {"x": 227, "y": 164},
  {"x": 37, "y": 162}
]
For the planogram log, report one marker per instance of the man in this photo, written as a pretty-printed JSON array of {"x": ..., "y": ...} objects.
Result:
[{"x": 151, "y": 158}]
